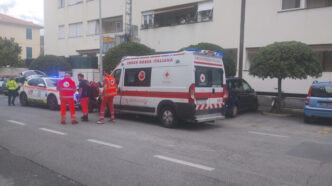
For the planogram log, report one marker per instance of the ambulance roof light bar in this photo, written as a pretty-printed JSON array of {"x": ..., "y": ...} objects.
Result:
[{"x": 205, "y": 51}]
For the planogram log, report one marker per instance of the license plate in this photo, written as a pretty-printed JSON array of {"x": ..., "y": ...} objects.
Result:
[
  {"x": 201, "y": 102},
  {"x": 327, "y": 104}
]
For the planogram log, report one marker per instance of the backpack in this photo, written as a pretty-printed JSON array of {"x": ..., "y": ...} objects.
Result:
[{"x": 93, "y": 89}]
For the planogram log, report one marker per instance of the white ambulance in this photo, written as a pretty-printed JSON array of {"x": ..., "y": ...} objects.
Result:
[{"x": 185, "y": 86}]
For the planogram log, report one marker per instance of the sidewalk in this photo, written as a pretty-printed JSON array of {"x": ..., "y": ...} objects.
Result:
[{"x": 18, "y": 171}]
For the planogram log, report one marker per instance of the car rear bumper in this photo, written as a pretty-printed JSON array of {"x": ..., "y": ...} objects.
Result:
[{"x": 317, "y": 112}]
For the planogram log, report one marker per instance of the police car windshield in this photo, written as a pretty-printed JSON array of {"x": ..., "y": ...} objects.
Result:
[{"x": 51, "y": 82}]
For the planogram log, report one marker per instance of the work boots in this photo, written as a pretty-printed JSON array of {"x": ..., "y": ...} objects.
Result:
[{"x": 85, "y": 118}]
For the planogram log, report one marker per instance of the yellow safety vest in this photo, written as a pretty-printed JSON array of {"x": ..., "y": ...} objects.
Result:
[{"x": 11, "y": 85}]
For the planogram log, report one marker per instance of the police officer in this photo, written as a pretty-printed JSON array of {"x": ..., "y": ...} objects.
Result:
[
  {"x": 67, "y": 89},
  {"x": 12, "y": 91},
  {"x": 110, "y": 90}
]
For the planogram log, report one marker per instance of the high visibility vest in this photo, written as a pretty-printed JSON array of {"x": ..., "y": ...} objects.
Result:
[
  {"x": 110, "y": 87},
  {"x": 67, "y": 88},
  {"x": 11, "y": 85}
]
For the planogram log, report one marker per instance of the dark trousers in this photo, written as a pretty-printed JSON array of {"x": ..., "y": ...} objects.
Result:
[{"x": 11, "y": 97}]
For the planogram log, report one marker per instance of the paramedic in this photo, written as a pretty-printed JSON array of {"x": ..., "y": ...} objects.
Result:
[
  {"x": 110, "y": 90},
  {"x": 83, "y": 96},
  {"x": 67, "y": 89}
]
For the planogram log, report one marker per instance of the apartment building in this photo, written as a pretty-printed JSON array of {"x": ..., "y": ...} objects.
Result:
[
  {"x": 168, "y": 25},
  {"x": 26, "y": 34}
]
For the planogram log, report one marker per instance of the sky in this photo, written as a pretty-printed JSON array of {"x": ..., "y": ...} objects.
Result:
[{"x": 29, "y": 10}]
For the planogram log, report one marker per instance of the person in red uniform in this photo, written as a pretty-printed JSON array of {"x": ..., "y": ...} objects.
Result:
[
  {"x": 110, "y": 90},
  {"x": 67, "y": 89},
  {"x": 83, "y": 96}
]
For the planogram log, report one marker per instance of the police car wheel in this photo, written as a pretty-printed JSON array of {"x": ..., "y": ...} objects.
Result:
[
  {"x": 24, "y": 99},
  {"x": 52, "y": 102},
  {"x": 168, "y": 117}
]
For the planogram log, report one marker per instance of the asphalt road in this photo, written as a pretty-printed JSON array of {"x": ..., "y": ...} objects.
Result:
[{"x": 252, "y": 149}]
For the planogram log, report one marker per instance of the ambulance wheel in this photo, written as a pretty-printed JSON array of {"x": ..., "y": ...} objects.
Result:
[
  {"x": 168, "y": 117},
  {"x": 24, "y": 99},
  {"x": 52, "y": 102}
]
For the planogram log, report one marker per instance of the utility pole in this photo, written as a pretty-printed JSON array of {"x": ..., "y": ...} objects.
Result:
[
  {"x": 242, "y": 30},
  {"x": 101, "y": 45},
  {"x": 128, "y": 21}
]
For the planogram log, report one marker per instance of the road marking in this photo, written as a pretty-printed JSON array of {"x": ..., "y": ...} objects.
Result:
[
  {"x": 105, "y": 143},
  {"x": 16, "y": 122},
  {"x": 184, "y": 163},
  {"x": 52, "y": 131},
  {"x": 268, "y": 134}
]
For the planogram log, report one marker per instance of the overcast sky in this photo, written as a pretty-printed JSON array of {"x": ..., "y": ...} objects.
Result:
[{"x": 30, "y": 10}]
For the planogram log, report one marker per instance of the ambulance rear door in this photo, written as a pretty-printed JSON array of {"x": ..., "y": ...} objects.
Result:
[{"x": 117, "y": 74}]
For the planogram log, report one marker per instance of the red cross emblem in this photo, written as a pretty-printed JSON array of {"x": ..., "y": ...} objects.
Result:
[
  {"x": 202, "y": 78},
  {"x": 141, "y": 75}
]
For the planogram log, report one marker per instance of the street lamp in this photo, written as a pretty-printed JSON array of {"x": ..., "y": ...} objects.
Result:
[{"x": 101, "y": 45}]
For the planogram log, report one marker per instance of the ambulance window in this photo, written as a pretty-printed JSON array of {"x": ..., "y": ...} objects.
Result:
[
  {"x": 138, "y": 77},
  {"x": 208, "y": 77},
  {"x": 117, "y": 76}
]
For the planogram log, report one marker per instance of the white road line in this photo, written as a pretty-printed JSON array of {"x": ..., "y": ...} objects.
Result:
[
  {"x": 268, "y": 134},
  {"x": 52, "y": 131},
  {"x": 105, "y": 143},
  {"x": 16, "y": 122},
  {"x": 184, "y": 163}
]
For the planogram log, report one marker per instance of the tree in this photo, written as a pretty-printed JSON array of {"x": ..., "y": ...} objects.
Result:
[
  {"x": 282, "y": 60},
  {"x": 50, "y": 64},
  {"x": 229, "y": 63},
  {"x": 10, "y": 53},
  {"x": 115, "y": 54}
]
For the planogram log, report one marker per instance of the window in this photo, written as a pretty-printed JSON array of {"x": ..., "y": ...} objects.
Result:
[
  {"x": 251, "y": 53},
  {"x": 205, "y": 11},
  {"x": 246, "y": 86},
  {"x": 140, "y": 77},
  {"x": 75, "y": 30},
  {"x": 293, "y": 4},
  {"x": 117, "y": 76},
  {"x": 236, "y": 86},
  {"x": 29, "y": 33},
  {"x": 323, "y": 91},
  {"x": 318, "y": 3},
  {"x": 74, "y": 2},
  {"x": 208, "y": 77},
  {"x": 61, "y": 3},
  {"x": 118, "y": 26},
  {"x": 61, "y": 32},
  {"x": 93, "y": 27},
  {"x": 29, "y": 52},
  {"x": 326, "y": 59},
  {"x": 52, "y": 82},
  {"x": 33, "y": 82}
]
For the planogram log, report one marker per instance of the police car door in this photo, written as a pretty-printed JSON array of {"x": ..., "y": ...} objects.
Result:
[{"x": 118, "y": 78}]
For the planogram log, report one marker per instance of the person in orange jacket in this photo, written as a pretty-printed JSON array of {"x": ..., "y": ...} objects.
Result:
[
  {"x": 110, "y": 90},
  {"x": 67, "y": 89}
]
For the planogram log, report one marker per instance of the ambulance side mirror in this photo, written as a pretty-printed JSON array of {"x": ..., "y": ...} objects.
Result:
[{"x": 41, "y": 85}]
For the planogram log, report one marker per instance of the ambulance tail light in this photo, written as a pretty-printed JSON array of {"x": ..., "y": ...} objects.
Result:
[
  {"x": 226, "y": 94},
  {"x": 192, "y": 93}
]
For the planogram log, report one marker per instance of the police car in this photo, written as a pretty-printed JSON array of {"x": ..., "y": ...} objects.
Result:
[
  {"x": 186, "y": 86},
  {"x": 40, "y": 90}
]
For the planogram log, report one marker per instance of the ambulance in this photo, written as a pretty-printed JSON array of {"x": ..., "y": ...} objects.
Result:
[{"x": 185, "y": 86}]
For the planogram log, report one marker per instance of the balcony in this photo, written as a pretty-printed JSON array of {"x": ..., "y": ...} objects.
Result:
[{"x": 178, "y": 15}]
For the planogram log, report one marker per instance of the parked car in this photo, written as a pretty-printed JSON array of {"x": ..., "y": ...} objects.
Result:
[
  {"x": 241, "y": 97},
  {"x": 318, "y": 102},
  {"x": 23, "y": 76},
  {"x": 3, "y": 81},
  {"x": 4, "y": 89}
]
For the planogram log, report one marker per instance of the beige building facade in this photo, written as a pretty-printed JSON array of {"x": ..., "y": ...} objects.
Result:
[
  {"x": 26, "y": 34},
  {"x": 173, "y": 24}
]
